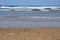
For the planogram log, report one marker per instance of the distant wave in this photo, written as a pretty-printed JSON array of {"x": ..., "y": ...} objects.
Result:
[{"x": 26, "y": 17}]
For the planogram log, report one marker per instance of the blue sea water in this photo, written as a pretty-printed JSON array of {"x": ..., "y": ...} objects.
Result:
[
  {"x": 31, "y": 13},
  {"x": 29, "y": 19}
]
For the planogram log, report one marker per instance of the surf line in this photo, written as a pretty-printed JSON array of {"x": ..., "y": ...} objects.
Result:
[
  {"x": 36, "y": 17},
  {"x": 28, "y": 17}
]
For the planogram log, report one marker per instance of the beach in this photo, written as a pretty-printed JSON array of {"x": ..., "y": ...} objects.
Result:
[{"x": 35, "y": 33}]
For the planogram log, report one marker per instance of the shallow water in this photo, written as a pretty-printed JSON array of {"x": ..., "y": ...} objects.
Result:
[
  {"x": 29, "y": 19},
  {"x": 31, "y": 13}
]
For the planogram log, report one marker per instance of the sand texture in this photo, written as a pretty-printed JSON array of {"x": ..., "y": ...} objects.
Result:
[{"x": 30, "y": 34}]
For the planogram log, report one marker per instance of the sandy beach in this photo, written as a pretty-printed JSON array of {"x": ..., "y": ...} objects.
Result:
[{"x": 30, "y": 34}]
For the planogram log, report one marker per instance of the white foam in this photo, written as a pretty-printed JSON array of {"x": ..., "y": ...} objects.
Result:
[{"x": 36, "y": 17}]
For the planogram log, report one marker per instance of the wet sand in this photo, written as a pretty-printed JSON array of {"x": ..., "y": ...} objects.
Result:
[{"x": 30, "y": 33}]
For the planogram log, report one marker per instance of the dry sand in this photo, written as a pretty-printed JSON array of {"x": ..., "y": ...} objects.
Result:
[{"x": 30, "y": 34}]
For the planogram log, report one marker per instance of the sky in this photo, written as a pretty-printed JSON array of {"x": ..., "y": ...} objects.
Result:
[{"x": 29, "y": 2}]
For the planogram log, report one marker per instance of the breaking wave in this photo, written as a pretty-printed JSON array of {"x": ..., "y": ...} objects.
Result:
[{"x": 26, "y": 17}]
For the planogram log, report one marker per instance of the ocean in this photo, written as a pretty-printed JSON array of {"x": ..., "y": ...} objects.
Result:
[{"x": 23, "y": 19}]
